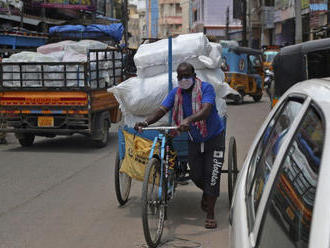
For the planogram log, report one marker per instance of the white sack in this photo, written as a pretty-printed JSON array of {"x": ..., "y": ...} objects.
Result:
[
  {"x": 33, "y": 78},
  {"x": 140, "y": 97},
  {"x": 213, "y": 60},
  {"x": 84, "y": 46},
  {"x": 152, "y": 59},
  {"x": 54, "y": 47},
  {"x": 57, "y": 55}
]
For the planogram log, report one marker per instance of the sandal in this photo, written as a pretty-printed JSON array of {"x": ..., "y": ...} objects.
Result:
[{"x": 210, "y": 224}]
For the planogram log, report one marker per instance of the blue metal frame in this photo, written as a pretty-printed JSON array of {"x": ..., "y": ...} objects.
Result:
[{"x": 21, "y": 41}]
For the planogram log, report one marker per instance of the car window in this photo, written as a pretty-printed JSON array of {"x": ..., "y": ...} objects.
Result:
[
  {"x": 290, "y": 205},
  {"x": 265, "y": 154}
]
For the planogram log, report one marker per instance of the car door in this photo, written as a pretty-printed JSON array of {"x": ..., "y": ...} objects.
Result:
[
  {"x": 287, "y": 218},
  {"x": 264, "y": 163}
]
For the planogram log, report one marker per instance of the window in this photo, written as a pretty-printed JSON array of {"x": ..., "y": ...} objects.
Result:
[
  {"x": 319, "y": 64},
  {"x": 265, "y": 154},
  {"x": 195, "y": 15},
  {"x": 289, "y": 213}
]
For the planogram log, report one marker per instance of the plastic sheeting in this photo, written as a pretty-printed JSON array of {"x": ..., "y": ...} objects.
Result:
[{"x": 114, "y": 31}]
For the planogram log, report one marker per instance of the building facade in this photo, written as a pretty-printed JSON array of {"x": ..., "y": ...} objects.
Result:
[
  {"x": 170, "y": 18},
  {"x": 273, "y": 22},
  {"x": 186, "y": 6},
  {"x": 209, "y": 16},
  {"x": 152, "y": 15},
  {"x": 133, "y": 26}
]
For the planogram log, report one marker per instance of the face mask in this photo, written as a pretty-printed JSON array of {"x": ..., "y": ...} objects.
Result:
[{"x": 186, "y": 83}]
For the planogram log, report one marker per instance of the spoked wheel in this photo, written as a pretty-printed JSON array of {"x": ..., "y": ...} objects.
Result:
[
  {"x": 232, "y": 168},
  {"x": 122, "y": 183},
  {"x": 153, "y": 204}
]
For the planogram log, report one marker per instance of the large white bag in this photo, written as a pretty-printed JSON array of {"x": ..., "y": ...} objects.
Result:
[
  {"x": 54, "y": 47},
  {"x": 31, "y": 73},
  {"x": 84, "y": 46},
  {"x": 140, "y": 97},
  {"x": 213, "y": 60},
  {"x": 152, "y": 59}
]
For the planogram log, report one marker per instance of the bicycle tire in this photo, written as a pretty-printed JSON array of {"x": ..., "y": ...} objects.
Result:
[
  {"x": 232, "y": 168},
  {"x": 122, "y": 191},
  {"x": 152, "y": 203}
]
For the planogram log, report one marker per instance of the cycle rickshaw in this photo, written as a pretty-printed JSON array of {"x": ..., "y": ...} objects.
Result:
[
  {"x": 164, "y": 160},
  {"x": 167, "y": 159}
]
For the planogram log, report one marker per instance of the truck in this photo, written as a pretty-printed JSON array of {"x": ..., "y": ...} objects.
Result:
[{"x": 61, "y": 98}]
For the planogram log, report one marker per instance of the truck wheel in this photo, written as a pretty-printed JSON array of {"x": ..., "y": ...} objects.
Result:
[
  {"x": 26, "y": 139},
  {"x": 103, "y": 141}
]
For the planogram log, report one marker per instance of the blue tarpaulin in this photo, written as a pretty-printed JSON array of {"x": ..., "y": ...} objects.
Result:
[{"x": 114, "y": 31}]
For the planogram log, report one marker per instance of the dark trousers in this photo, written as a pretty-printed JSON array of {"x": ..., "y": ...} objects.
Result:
[{"x": 205, "y": 162}]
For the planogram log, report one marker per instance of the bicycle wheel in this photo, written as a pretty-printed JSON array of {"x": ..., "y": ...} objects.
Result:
[
  {"x": 232, "y": 168},
  {"x": 153, "y": 204},
  {"x": 122, "y": 183}
]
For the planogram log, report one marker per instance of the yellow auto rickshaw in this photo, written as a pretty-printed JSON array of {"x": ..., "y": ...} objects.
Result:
[
  {"x": 244, "y": 71},
  {"x": 268, "y": 56}
]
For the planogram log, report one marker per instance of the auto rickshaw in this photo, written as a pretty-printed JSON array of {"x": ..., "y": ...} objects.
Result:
[
  {"x": 300, "y": 62},
  {"x": 269, "y": 54},
  {"x": 244, "y": 71}
]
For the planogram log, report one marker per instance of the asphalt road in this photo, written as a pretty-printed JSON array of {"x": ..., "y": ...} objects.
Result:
[{"x": 60, "y": 193}]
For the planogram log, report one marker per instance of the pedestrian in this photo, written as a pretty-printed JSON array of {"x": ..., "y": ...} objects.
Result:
[{"x": 194, "y": 110}]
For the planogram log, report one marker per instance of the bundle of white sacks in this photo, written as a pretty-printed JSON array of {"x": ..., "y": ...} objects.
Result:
[
  {"x": 142, "y": 95},
  {"x": 64, "y": 51}
]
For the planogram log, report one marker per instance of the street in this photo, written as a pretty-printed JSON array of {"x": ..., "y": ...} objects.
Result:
[{"x": 60, "y": 193}]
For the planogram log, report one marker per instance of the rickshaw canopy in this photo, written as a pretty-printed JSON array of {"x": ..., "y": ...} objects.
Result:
[
  {"x": 300, "y": 62},
  {"x": 236, "y": 58}
]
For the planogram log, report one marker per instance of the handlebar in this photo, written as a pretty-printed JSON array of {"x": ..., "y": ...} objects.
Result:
[{"x": 160, "y": 128}]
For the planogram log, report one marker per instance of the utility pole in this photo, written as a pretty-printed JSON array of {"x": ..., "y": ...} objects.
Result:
[
  {"x": 227, "y": 23},
  {"x": 262, "y": 38},
  {"x": 111, "y": 3},
  {"x": 124, "y": 17},
  {"x": 244, "y": 40},
  {"x": 149, "y": 19},
  {"x": 22, "y": 15},
  {"x": 298, "y": 38}
]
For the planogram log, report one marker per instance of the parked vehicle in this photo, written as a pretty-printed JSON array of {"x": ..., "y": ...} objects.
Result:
[
  {"x": 281, "y": 195},
  {"x": 300, "y": 62},
  {"x": 244, "y": 71},
  {"x": 269, "y": 54},
  {"x": 61, "y": 98}
]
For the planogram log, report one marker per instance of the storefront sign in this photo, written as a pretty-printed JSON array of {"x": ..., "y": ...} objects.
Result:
[
  {"x": 304, "y": 4},
  {"x": 69, "y": 4}
]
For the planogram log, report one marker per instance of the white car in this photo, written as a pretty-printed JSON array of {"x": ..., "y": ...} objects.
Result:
[{"x": 282, "y": 194}]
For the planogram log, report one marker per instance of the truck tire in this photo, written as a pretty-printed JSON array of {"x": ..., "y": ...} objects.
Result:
[
  {"x": 26, "y": 139},
  {"x": 104, "y": 139}
]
